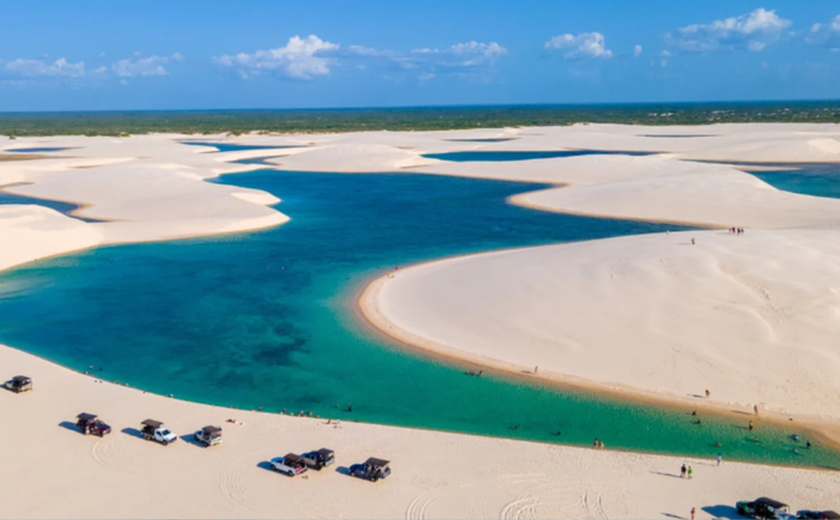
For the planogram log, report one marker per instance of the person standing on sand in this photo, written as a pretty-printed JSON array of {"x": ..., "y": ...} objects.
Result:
[
  {"x": 536, "y": 369},
  {"x": 682, "y": 471},
  {"x": 692, "y": 241},
  {"x": 751, "y": 426},
  {"x": 708, "y": 393},
  {"x": 755, "y": 409},
  {"x": 719, "y": 459},
  {"x": 693, "y": 512},
  {"x": 690, "y": 471}
]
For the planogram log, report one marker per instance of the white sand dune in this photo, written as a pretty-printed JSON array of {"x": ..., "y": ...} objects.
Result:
[
  {"x": 751, "y": 317},
  {"x": 650, "y": 313},
  {"x": 146, "y": 188},
  {"x": 30, "y": 232}
]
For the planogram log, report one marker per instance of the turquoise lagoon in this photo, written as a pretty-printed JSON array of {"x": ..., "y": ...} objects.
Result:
[
  {"x": 821, "y": 180},
  {"x": 267, "y": 319}
]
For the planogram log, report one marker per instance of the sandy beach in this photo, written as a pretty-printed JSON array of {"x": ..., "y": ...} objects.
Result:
[
  {"x": 51, "y": 470},
  {"x": 752, "y": 317}
]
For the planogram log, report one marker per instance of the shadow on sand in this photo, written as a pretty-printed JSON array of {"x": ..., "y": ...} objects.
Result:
[
  {"x": 665, "y": 474},
  {"x": 722, "y": 511},
  {"x": 190, "y": 439},
  {"x": 343, "y": 470},
  {"x": 67, "y": 425},
  {"x": 133, "y": 432}
]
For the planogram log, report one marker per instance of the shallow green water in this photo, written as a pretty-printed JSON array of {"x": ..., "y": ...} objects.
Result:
[{"x": 267, "y": 318}]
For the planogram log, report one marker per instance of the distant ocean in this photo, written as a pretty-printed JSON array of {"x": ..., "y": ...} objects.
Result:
[{"x": 411, "y": 118}]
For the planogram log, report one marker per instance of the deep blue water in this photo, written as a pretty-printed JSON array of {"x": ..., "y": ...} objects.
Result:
[
  {"x": 62, "y": 207},
  {"x": 494, "y": 156},
  {"x": 268, "y": 318},
  {"x": 36, "y": 150},
  {"x": 232, "y": 147},
  {"x": 821, "y": 180}
]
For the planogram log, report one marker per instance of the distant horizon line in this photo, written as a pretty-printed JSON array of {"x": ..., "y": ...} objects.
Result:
[{"x": 443, "y": 106}]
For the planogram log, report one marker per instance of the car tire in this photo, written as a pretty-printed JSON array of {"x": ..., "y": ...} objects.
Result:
[
  {"x": 290, "y": 473},
  {"x": 165, "y": 442}
]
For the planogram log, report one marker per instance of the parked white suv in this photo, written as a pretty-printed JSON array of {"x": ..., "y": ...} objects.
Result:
[
  {"x": 154, "y": 431},
  {"x": 291, "y": 464}
]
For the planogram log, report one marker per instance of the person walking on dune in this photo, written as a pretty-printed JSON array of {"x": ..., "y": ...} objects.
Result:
[{"x": 693, "y": 512}]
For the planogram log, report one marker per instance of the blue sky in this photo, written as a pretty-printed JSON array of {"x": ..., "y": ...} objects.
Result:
[{"x": 273, "y": 54}]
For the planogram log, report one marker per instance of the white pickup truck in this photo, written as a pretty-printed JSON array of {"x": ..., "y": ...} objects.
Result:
[
  {"x": 154, "y": 431},
  {"x": 209, "y": 435},
  {"x": 291, "y": 464}
]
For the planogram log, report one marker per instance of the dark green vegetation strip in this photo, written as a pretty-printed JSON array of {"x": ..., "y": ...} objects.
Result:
[{"x": 426, "y": 118}]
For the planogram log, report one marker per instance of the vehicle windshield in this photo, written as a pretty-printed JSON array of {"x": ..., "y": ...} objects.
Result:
[{"x": 166, "y": 432}]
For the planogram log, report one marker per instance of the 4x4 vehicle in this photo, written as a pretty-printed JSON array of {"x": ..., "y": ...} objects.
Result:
[
  {"x": 18, "y": 384},
  {"x": 209, "y": 435},
  {"x": 291, "y": 464},
  {"x": 319, "y": 459},
  {"x": 764, "y": 508},
  {"x": 818, "y": 515},
  {"x": 154, "y": 431},
  {"x": 90, "y": 424},
  {"x": 372, "y": 469}
]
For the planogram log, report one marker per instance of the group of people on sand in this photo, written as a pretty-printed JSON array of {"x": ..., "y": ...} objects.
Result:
[
  {"x": 736, "y": 230},
  {"x": 598, "y": 444},
  {"x": 686, "y": 472}
]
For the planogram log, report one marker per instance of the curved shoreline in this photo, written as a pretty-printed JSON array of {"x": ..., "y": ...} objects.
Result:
[
  {"x": 374, "y": 318},
  {"x": 521, "y": 200},
  {"x": 381, "y": 323}
]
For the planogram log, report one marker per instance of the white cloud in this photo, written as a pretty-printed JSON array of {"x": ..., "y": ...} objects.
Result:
[
  {"x": 825, "y": 34},
  {"x": 756, "y": 46},
  {"x": 464, "y": 60},
  {"x": 148, "y": 66},
  {"x": 311, "y": 57},
  {"x": 753, "y": 31},
  {"x": 580, "y": 45},
  {"x": 637, "y": 51},
  {"x": 478, "y": 53},
  {"x": 361, "y": 50},
  {"x": 300, "y": 58},
  {"x": 40, "y": 68},
  {"x": 666, "y": 53},
  {"x": 468, "y": 54}
]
